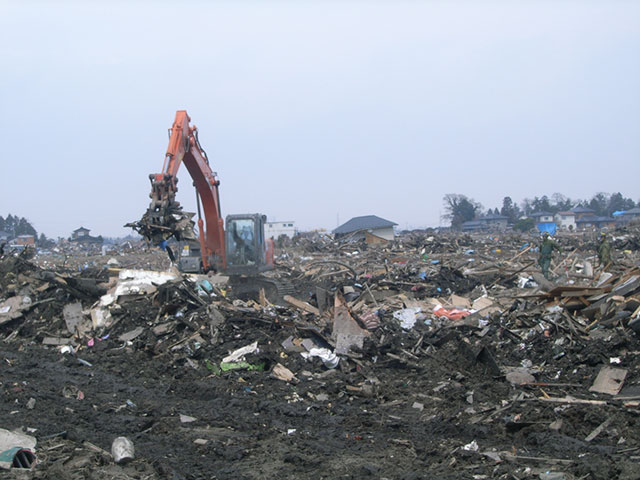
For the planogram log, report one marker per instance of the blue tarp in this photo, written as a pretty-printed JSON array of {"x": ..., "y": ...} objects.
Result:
[
  {"x": 619, "y": 212},
  {"x": 549, "y": 227}
]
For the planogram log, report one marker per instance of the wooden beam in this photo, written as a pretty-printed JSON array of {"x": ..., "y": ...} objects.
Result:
[{"x": 304, "y": 306}]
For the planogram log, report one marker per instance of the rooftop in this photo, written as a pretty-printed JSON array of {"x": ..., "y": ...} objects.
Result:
[
  {"x": 582, "y": 210},
  {"x": 493, "y": 216},
  {"x": 366, "y": 222},
  {"x": 473, "y": 223},
  {"x": 541, "y": 214},
  {"x": 594, "y": 219},
  {"x": 632, "y": 211}
]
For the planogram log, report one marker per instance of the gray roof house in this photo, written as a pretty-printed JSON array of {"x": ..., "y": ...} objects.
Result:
[
  {"x": 581, "y": 212},
  {"x": 629, "y": 215},
  {"x": 488, "y": 222},
  {"x": 358, "y": 227},
  {"x": 81, "y": 235},
  {"x": 594, "y": 222},
  {"x": 473, "y": 226}
]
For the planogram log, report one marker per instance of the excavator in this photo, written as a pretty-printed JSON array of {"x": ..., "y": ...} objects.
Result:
[{"x": 240, "y": 250}]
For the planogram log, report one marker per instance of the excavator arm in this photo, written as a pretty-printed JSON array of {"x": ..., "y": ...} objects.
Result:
[{"x": 165, "y": 218}]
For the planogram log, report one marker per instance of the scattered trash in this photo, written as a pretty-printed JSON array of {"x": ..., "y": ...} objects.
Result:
[
  {"x": 122, "y": 450},
  {"x": 239, "y": 354},
  {"x": 329, "y": 358},
  {"x": 407, "y": 317},
  {"x": 17, "y": 450},
  {"x": 282, "y": 373},
  {"x": 609, "y": 380},
  {"x": 520, "y": 377},
  {"x": 471, "y": 447},
  {"x": 132, "y": 335},
  {"x": 451, "y": 314}
]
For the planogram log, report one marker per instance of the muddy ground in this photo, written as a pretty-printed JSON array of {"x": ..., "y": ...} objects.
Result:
[{"x": 425, "y": 403}]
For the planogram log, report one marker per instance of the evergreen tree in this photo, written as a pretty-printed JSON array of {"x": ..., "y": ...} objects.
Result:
[
  {"x": 618, "y": 203},
  {"x": 509, "y": 210},
  {"x": 599, "y": 203}
]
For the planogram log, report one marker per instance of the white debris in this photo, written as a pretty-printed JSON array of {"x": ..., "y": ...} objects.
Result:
[
  {"x": 238, "y": 355},
  {"x": 407, "y": 317},
  {"x": 471, "y": 447}
]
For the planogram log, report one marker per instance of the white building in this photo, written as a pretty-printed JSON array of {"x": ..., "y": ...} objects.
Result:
[
  {"x": 275, "y": 229},
  {"x": 542, "y": 217},
  {"x": 565, "y": 220}
]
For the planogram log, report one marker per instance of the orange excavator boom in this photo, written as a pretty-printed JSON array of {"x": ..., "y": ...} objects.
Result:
[{"x": 165, "y": 218}]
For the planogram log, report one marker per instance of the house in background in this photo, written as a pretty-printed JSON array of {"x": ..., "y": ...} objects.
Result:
[
  {"x": 542, "y": 217},
  {"x": 544, "y": 222},
  {"x": 495, "y": 222},
  {"x": 565, "y": 220},
  {"x": 25, "y": 240},
  {"x": 581, "y": 212},
  {"x": 629, "y": 215},
  {"x": 473, "y": 226},
  {"x": 593, "y": 222},
  {"x": 490, "y": 222},
  {"x": 4, "y": 236},
  {"x": 81, "y": 235},
  {"x": 358, "y": 227},
  {"x": 275, "y": 229}
]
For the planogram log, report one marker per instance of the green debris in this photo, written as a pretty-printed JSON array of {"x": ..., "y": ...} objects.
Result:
[
  {"x": 212, "y": 367},
  {"x": 226, "y": 366}
]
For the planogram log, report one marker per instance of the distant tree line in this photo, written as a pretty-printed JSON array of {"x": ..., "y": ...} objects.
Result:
[
  {"x": 15, "y": 226},
  {"x": 460, "y": 208}
]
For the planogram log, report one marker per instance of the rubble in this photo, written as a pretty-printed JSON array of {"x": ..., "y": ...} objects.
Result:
[{"x": 422, "y": 357}]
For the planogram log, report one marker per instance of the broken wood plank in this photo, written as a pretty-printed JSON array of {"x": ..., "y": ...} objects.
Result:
[
  {"x": 598, "y": 429},
  {"x": 347, "y": 332},
  {"x": 521, "y": 253},
  {"x": 563, "y": 461},
  {"x": 301, "y": 305},
  {"x": 571, "y": 400},
  {"x": 57, "y": 341},
  {"x": 609, "y": 380},
  {"x": 583, "y": 293}
]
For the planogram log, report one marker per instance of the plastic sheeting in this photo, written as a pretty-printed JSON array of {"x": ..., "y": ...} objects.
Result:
[{"x": 549, "y": 228}]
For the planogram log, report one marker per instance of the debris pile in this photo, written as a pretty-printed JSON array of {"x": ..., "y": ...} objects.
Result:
[{"x": 422, "y": 358}]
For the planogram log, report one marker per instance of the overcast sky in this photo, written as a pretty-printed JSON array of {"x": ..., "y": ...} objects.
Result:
[{"x": 316, "y": 111}]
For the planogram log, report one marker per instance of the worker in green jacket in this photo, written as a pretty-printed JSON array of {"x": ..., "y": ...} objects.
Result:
[
  {"x": 546, "y": 253},
  {"x": 604, "y": 250}
]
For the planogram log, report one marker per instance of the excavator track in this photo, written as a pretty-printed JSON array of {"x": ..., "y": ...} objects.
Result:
[{"x": 275, "y": 289}]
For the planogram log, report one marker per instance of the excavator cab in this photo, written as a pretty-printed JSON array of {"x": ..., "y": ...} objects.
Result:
[{"x": 247, "y": 251}]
